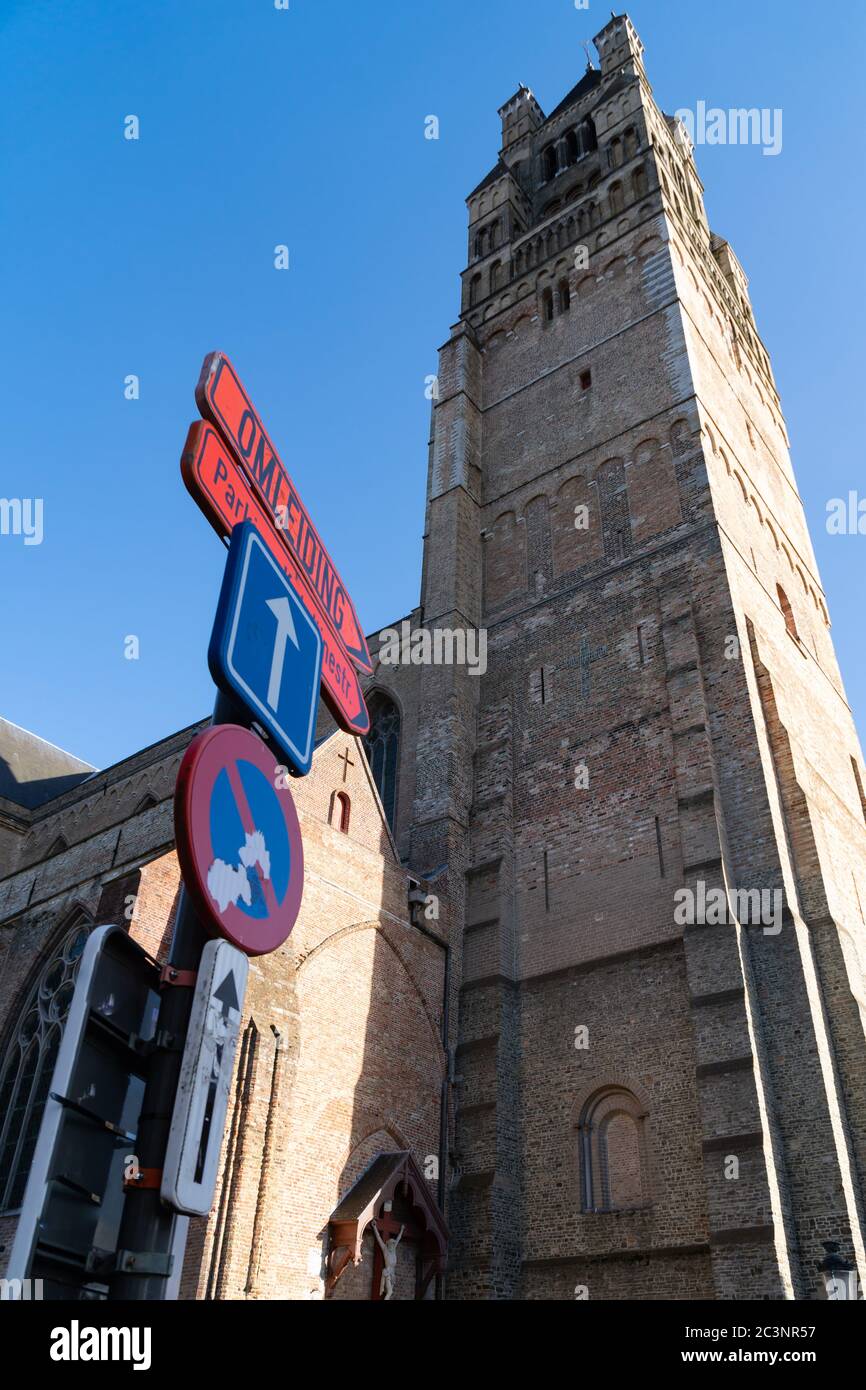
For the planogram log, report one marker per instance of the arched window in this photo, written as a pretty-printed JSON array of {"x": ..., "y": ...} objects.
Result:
[
  {"x": 495, "y": 275},
  {"x": 474, "y": 290},
  {"x": 572, "y": 150},
  {"x": 615, "y": 197},
  {"x": 547, "y": 305},
  {"x": 28, "y": 1061},
  {"x": 788, "y": 612},
  {"x": 342, "y": 811},
  {"x": 564, "y": 296},
  {"x": 613, "y": 1162},
  {"x": 382, "y": 746},
  {"x": 586, "y": 137},
  {"x": 548, "y": 163},
  {"x": 638, "y": 181},
  {"x": 615, "y": 153}
]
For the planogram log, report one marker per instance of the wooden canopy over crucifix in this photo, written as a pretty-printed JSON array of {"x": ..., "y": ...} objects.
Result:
[{"x": 394, "y": 1193}]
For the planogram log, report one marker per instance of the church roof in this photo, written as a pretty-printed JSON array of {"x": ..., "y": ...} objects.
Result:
[
  {"x": 33, "y": 771},
  {"x": 369, "y": 1185},
  {"x": 590, "y": 79},
  {"x": 496, "y": 172}
]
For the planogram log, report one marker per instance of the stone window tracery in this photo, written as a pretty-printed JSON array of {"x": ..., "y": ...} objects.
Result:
[{"x": 28, "y": 1062}]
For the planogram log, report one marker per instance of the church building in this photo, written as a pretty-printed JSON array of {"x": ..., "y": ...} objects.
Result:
[{"x": 574, "y": 1007}]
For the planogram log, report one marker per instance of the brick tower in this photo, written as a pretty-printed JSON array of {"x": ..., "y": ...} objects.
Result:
[{"x": 642, "y": 1106}]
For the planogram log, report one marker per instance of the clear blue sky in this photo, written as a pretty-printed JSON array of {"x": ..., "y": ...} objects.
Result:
[{"x": 306, "y": 127}]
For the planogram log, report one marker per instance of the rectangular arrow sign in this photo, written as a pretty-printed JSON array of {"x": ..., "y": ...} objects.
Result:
[
  {"x": 226, "y": 497},
  {"x": 222, "y": 399},
  {"x": 197, "y": 1124},
  {"x": 266, "y": 649}
]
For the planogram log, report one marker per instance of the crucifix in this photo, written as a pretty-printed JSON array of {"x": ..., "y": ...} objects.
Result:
[
  {"x": 389, "y": 1260},
  {"x": 586, "y": 655},
  {"x": 389, "y": 1231},
  {"x": 347, "y": 762}
]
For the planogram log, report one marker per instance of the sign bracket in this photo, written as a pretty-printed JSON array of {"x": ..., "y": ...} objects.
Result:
[
  {"x": 144, "y": 1262},
  {"x": 68, "y": 1103}
]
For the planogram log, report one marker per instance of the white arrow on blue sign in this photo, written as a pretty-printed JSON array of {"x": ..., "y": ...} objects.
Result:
[{"x": 266, "y": 649}]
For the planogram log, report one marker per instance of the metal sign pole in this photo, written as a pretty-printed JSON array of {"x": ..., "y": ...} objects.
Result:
[{"x": 147, "y": 1232}]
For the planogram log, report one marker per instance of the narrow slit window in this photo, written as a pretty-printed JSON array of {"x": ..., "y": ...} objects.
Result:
[{"x": 659, "y": 849}]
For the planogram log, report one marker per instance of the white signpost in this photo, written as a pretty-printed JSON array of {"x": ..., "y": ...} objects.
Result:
[{"x": 198, "y": 1120}]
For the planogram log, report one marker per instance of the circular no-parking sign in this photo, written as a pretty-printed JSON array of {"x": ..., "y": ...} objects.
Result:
[{"x": 238, "y": 839}]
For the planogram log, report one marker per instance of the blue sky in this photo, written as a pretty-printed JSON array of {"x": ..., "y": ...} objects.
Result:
[{"x": 306, "y": 127}]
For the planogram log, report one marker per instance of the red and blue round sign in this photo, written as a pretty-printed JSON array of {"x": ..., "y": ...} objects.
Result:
[{"x": 238, "y": 839}]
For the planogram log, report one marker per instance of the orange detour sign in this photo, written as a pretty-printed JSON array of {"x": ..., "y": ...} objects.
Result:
[
  {"x": 222, "y": 399},
  {"x": 227, "y": 497}
]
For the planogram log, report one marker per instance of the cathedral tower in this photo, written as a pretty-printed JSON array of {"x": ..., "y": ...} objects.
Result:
[{"x": 653, "y": 1095}]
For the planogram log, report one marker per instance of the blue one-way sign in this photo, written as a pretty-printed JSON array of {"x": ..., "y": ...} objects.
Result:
[{"x": 265, "y": 648}]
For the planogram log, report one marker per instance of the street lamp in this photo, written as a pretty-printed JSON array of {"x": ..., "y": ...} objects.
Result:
[{"x": 839, "y": 1278}]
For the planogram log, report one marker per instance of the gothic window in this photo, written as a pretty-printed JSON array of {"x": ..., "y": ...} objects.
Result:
[
  {"x": 382, "y": 746},
  {"x": 788, "y": 613},
  {"x": 28, "y": 1062},
  {"x": 613, "y": 1164}
]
